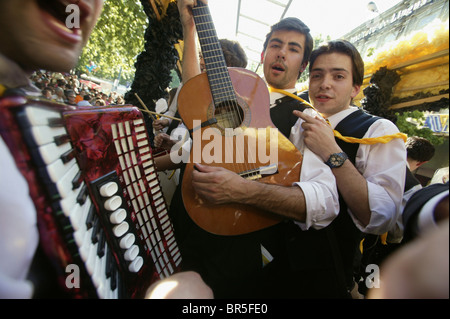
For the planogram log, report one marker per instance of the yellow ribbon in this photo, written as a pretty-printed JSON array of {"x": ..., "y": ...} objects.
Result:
[
  {"x": 2, "y": 89},
  {"x": 369, "y": 141}
]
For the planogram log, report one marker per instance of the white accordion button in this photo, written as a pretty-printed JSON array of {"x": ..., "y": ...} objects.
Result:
[
  {"x": 136, "y": 264},
  {"x": 121, "y": 229},
  {"x": 132, "y": 253},
  {"x": 127, "y": 241},
  {"x": 118, "y": 216},
  {"x": 109, "y": 189},
  {"x": 113, "y": 203}
]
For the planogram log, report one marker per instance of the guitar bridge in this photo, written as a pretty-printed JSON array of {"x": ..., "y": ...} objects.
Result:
[{"x": 260, "y": 172}]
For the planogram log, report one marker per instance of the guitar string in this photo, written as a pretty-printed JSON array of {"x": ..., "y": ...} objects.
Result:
[
  {"x": 226, "y": 91},
  {"x": 231, "y": 99}
]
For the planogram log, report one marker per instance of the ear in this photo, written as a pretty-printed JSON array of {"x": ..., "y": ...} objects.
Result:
[
  {"x": 355, "y": 91},
  {"x": 421, "y": 163},
  {"x": 262, "y": 57}
]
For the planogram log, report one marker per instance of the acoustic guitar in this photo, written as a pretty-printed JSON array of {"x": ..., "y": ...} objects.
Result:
[{"x": 228, "y": 113}]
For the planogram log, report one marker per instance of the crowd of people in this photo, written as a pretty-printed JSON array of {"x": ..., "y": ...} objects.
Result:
[
  {"x": 352, "y": 182},
  {"x": 68, "y": 89}
]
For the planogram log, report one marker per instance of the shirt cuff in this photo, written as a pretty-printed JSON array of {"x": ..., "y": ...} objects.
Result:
[{"x": 426, "y": 220}]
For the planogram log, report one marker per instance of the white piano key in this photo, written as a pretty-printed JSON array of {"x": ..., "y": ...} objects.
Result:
[
  {"x": 78, "y": 215},
  {"x": 98, "y": 277},
  {"x": 86, "y": 243},
  {"x": 39, "y": 116},
  {"x": 69, "y": 202},
  {"x": 52, "y": 152},
  {"x": 58, "y": 169},
  {"x": 91, "y": 260},
  {"x": 44, "y": 134},
  {"x": 64, "y": 185}
]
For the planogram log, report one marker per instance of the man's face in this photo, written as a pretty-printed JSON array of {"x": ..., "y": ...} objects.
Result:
[
  {"x": 283, "y": 59},
  {"x": 39, "y": 33},
  {"x": 331, "y": 86}
]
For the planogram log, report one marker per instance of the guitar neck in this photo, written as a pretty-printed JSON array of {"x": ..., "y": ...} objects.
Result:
[{"x": 216, "y": 68}]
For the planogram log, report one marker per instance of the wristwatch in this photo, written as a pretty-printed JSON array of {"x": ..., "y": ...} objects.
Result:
[{"x": 336, "y": 160}]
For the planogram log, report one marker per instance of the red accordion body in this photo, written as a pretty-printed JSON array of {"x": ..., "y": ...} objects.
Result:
[{"x": 97, "y": 194}]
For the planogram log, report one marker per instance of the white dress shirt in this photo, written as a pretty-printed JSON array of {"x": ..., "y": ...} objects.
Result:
[
  {"x": 317, "y": 182},
  {"x": 18, "y": 229},
  {"x": 384, "y": 168}
]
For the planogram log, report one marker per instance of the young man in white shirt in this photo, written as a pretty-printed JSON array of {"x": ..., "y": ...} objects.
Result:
[{"x": 371, "y": 180}]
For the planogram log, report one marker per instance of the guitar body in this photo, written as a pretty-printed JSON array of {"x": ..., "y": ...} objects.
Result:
[{"x": 213, "y": 146}]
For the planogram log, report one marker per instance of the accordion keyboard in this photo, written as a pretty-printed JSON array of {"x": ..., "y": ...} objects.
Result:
[{"x": 97, "y": 171}]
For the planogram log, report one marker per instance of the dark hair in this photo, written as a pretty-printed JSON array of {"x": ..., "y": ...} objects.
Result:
[
  {"x": 344, "y": 47},
  {"x": 234, "y": 54},
  {"x": 293, "y": 24},
  {"x": 419, "y": 148}
]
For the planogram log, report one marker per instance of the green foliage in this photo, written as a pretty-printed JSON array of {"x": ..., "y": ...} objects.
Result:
[
  {"x": 116, "y": 40},
  {"x": 370, "y": 52},
  {"x": 411, "y": 123}
]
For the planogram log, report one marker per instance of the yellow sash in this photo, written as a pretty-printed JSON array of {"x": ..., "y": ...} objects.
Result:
[{"x": 369, "y": 141}]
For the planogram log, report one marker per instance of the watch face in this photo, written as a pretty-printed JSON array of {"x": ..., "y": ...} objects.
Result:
[{"x": 336, "y": 160}]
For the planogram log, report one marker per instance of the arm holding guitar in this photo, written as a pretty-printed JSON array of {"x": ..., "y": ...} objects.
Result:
[{"x": 221, "y": 186}]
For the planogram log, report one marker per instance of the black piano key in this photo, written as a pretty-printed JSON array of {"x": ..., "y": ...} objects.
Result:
[
  {"x": 90, "y": 217},
  {"x": 101, "y": 243},
  {"x": 82, "y": 195},
  {"x": 113, "y": 277},
  {"x": 109, "y": 263},
  {"x": 68, "y": 156},
  {"x": 77, "y": 181},
  {"x": 95, "y": 230},
  {"x": 55, "y": 122},
  {"x": 61, "y": 139}
]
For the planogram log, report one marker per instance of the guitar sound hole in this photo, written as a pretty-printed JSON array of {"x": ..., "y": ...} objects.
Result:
[{"x": 229, "y": 115}]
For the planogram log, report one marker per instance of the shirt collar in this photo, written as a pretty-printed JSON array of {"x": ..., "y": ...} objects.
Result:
[
  {"x": 336, "y": 118},
  {"x": 274, "y": 96}
]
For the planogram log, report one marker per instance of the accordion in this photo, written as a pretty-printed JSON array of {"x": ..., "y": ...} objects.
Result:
[{"x": 100, "y": 206}]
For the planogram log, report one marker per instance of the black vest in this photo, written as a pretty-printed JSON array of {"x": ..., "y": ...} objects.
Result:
[
  {"x": 282, "y": 116},
  {"x": 348, "y": 236}
]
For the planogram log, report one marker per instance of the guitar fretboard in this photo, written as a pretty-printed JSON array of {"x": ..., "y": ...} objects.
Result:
[{"x": 219, "y": 79}]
